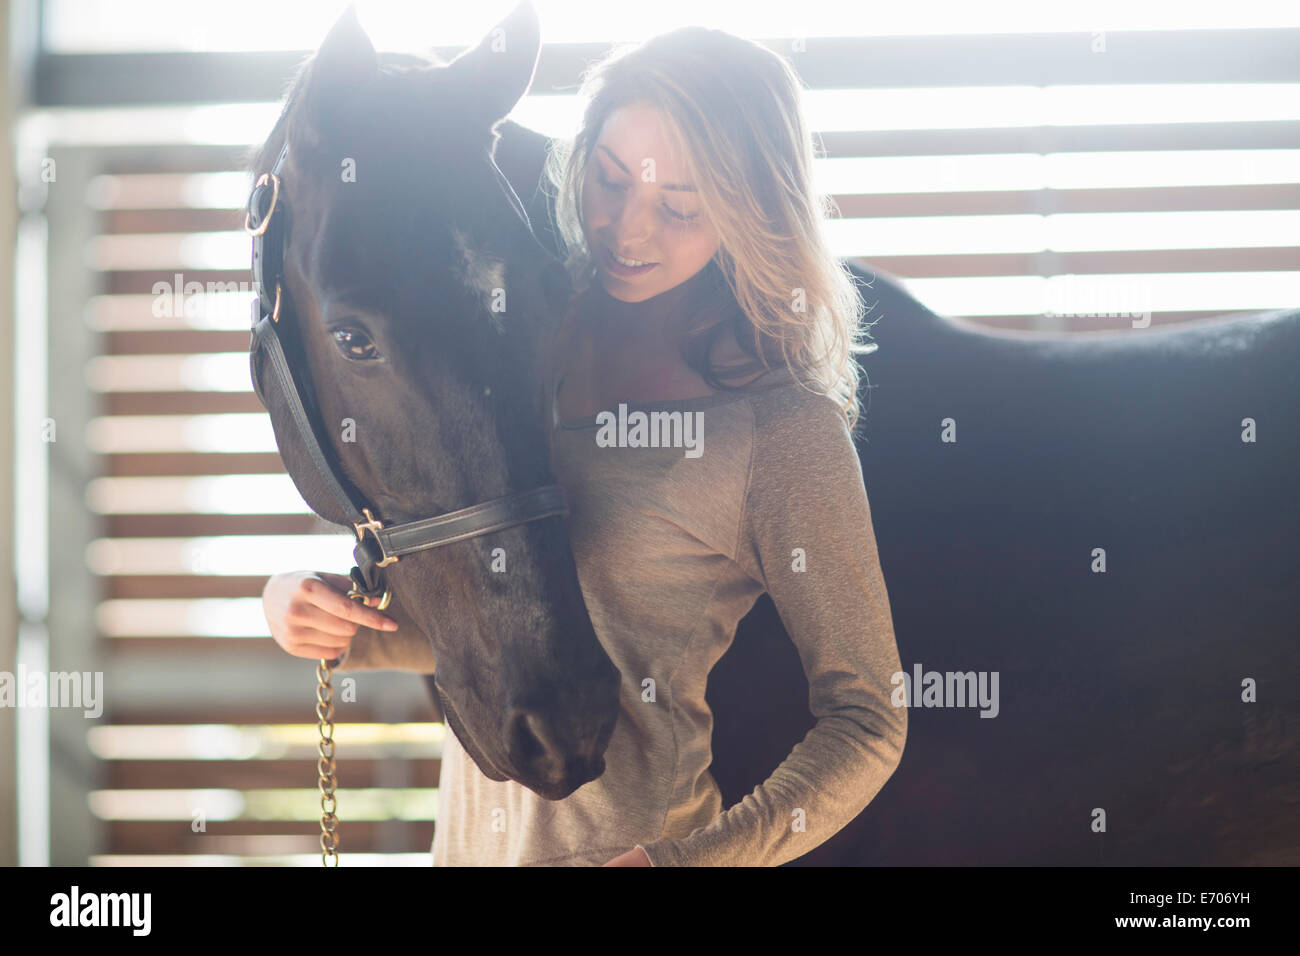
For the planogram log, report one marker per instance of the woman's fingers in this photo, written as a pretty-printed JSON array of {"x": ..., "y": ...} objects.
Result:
[
  {"x": 309, "y": 620},
  {"x": 317, "y": 652},
  {"x": 329, "y": 598}
]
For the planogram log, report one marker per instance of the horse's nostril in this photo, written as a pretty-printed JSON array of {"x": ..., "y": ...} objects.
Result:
[
  {"x": 529, "y": 740},
  {"x": 536, "y": 749}
]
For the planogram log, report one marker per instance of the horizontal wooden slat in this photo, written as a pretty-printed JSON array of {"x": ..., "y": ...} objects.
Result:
[
  {"x": 165, "y": 158},
  {"x": 1024, "y": 263},
  {"x": 181, "y": 586},
  {"x": 1178, "y": 56},
  {"x": 295, "y": 704},
  {"x": 141, "y": 281},
  {"x": 174, "y": 342},
  {"x": 1046, "y": 201},
  {"x": 1284, "y": 259},
  {"x": 182, "y": 403},
  {"x": 1264, "y": 134},
  {"x": 241, "y": 650},
  {"x": 356, "y": 836},
  {"x": 188, "y": 525},
  {"x": 852, "y": 205},
  {"x": 191, "y": 463},
  {"x": 127, "y": 221},
  {"x": 1122, "y": 262},
  {"x": 260, "y": 774},
  {"x": 193, "y": 684},
  {"x": 231, "y": 650},
  {"x": 1029, "y": 323}
]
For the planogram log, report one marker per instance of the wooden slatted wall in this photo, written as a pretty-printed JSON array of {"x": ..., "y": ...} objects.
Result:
[{"x": 209, "y": 742}]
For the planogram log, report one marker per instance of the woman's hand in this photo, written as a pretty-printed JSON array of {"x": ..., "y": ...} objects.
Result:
[
  {"x": 633, "y": 857},
  {"x": 311, "y": 615}
]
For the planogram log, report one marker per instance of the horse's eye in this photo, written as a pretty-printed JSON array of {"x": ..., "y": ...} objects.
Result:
[{"x": 355, "y": 345}]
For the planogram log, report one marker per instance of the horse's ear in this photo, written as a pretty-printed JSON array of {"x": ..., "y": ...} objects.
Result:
[
  {"x": 494, "y": 75},
  {"x": 345, "y": 61}
]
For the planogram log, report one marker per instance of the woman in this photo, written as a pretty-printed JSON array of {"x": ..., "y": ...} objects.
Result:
[{"x": 706, "y": 289}]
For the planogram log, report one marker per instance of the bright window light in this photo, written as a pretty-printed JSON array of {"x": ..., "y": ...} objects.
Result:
[
  {"x": 828, "y": 110},
  {"x": 270, "y": 494},
  {"x": 209, "y": 310},
  {"x": 83, "y": 25},
  {"x": 936, "y": 235},
  {"x": 369, "y": 741},
  {"x": 168, "y": 190},
  {"x": 1208, "y": 292},
  {"x": 210, "y": 372},
  {"x": 1062, "y": 232},
  {"x": 1076, "y": 232},
  {"x": 197, "y": 617},
  {"x": 869, "y": 175},
  {"x": 237, "y": 555},
  {"x": 364, "y": 803},
  {"x": 234, "y": 432}
]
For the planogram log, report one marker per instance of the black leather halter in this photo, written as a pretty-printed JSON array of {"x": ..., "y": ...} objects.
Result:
[{"x": 268, "y": 223}]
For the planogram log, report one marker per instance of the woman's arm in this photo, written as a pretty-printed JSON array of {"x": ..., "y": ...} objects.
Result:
[{"x": 808, "y": 537}]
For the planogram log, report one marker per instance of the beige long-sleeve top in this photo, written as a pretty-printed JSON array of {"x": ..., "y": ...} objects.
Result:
[{"x": 672, "y": 550}]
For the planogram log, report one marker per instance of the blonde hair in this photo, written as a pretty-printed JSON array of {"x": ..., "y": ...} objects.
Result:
[{"x": 734, "y": 111}]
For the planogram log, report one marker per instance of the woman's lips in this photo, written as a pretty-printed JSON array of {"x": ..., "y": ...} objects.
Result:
[{"x": 618, "y": 269}]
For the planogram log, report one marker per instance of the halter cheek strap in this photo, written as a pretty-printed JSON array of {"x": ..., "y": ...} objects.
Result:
[{"x": 377, "y": 546}]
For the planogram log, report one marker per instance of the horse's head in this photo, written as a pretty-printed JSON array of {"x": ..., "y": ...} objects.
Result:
[{"x": 419, "y": 302}]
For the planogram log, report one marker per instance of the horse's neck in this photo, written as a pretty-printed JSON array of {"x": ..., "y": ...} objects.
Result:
[{"x": 560, "y": 338}]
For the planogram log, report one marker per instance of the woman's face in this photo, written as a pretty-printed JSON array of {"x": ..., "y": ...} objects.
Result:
[{"x": 638, "y": 203}]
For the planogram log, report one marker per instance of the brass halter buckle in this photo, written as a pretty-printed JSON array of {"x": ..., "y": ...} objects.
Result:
[{"x": 373, "y": 525}]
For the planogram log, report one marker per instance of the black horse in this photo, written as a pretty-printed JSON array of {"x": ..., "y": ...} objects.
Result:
[
  {"x": 1107, "y": 522},
  {"x": 419, "y": 304}
]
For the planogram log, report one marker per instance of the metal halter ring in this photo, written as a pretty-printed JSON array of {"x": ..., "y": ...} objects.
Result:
[
  {"x": 362, "y": 596},
  {"x": 262, "y": 180}
]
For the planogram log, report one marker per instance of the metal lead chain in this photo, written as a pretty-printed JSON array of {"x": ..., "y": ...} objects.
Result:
[{"x": 329, "y": 822}]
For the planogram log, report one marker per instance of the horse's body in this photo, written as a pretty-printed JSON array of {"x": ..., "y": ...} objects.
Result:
[{"x": 1119, "y": 691}]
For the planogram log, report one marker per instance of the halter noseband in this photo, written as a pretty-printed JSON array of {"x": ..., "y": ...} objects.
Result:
[{"x": 383, "y": 545}]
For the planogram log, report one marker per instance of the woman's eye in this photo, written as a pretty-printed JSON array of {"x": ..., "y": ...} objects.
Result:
[
  {"x": 672, "y": 213},
  {"x": 607, "y": 184},
  {"x": 354, "y": 344}
]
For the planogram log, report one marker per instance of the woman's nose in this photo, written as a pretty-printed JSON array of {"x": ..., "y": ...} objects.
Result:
[{"x": 634, "y": 222}]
